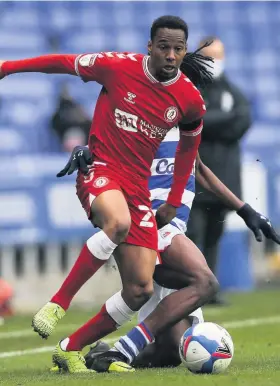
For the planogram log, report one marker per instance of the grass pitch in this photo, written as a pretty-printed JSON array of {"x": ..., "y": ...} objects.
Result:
[{"x": 252, "y": 319}]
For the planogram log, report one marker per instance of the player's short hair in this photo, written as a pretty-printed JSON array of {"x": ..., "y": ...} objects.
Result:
[{"x": 171, "y": 22}]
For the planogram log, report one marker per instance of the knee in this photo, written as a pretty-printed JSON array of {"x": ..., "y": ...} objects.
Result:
[
  {"x": 213, "y": 285},
  {"x": 142, "y": 292},
  {"x": 208, "y": 284},
  {"x": 118, "y": 229},
  {"x": 138, "y": 294}
]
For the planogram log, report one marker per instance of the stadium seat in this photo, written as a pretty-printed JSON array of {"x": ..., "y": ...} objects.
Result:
[
  {"x": 23, "y": 19},
  {"x": 16, "y": 39},
  {"x": 11, "y": 140},
  {"x": 26, "y": 27}
]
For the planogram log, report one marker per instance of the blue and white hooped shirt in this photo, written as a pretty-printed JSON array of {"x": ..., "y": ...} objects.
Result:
[{"x": 162, "y": 177}]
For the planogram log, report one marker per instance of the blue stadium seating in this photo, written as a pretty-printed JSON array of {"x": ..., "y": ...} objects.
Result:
[{"x": 250, "y": 31}]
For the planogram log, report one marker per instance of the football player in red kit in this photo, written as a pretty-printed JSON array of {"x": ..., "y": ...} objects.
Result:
[{"x": 142, "y": 98}]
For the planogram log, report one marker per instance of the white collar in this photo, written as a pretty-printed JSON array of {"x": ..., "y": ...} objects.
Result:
[{"x": 153, "y": 79}]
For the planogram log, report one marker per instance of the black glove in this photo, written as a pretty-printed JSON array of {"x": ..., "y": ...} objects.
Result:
[
  {"x": 79, "y": 159},
  {"x": 257, "y": 223}
]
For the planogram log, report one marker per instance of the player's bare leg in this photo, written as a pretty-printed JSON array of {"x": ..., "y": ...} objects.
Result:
[
  {"x": 136, "y": 265},
  {"x": 110, "y": 212},
  {"x": 183, "y": 256},
  {"x": 164, "y": 351}
]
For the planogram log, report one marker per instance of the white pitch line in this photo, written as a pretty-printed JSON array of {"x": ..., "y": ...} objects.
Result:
[
  {"x": 230, "y": 325},
  {"x": 62, "y": 328},
  {"x": 39, "y": 350},
  {"x": 30, "y": 331},
  {"x": 252, "y": 322}
]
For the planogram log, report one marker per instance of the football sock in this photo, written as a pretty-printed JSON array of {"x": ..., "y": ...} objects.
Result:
[
  {"x": 94, "y": 254},
  {"x": 96, "y": 328},
  {"x": 134, "y": 342},
  {"x": 112, "y": 315}
]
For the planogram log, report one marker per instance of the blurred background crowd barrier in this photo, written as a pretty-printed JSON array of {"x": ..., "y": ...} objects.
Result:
[{"x": 42, "y": 225}]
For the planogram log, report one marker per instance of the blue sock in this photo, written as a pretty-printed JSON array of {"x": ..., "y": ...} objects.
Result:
[{"x": 135, "y": 341}]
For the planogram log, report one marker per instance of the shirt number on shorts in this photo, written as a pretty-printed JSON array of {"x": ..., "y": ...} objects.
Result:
[{"x": 145, "y": 220}]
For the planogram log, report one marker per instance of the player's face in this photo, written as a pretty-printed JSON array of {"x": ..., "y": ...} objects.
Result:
[{"x": 167, "y": 51}]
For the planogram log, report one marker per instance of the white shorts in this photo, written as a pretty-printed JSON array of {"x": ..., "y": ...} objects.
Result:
[
  {"x": 165, "y": 236},
  {"x": 159, "y": 294}
]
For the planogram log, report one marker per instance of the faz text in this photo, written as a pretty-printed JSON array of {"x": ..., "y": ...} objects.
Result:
[{"x": 132, "y": 123}]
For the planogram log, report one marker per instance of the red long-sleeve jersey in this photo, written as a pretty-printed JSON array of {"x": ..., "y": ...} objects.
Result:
[{"x": 133, "y": 113}]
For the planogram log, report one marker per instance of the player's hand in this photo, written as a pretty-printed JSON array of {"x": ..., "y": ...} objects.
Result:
[
  {"x": 258, "y": 224},
  {"x": 165, "y": 214},
  {"x": 1, "y": 73},
  {"x": 79, "y": 160}
]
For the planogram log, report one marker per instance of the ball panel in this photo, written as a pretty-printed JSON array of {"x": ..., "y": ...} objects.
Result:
[
  {"x": 209, "y": 345},
  {"x": 198, "y": 366},
  {"x": 221, "y": 355},
  {"x": 196, "y": 352},
  {"x": 188, "y": 332},
  {"x": 208, "y": 329},
  {"x": 207, "y": 367},
  {"x": 186, "y": 345},
  {"x": 227, "y": 337},
  {"x": 186, "y": 338},
  {"x": 221, "y": 365}
]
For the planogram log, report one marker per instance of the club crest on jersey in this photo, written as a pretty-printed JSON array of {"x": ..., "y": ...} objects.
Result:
[
  {"x": 100, "y": 182},
  {"x": 87, "y": 60},
  {"x": 171, "y": 114}
]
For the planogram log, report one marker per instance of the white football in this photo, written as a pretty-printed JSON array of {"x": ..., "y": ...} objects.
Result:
[{"x": 206, "y": 348}]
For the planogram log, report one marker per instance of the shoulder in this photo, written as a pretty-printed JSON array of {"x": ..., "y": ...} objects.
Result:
[
  {"x": 195, "y": 105},
  {"x": 189, "y": 89},
  {"x": 123, "y": 58},
  {"x": 108, "y": 57}
]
